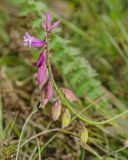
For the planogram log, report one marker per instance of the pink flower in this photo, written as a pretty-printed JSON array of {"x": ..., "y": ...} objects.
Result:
[
  {"x": 42, "y": 75},
  {"x": 48, "y": 20},
  {"x": 32, "y": 41},
  {"x": 47, "y": 26},
  {"x": 41, "y": 59}
]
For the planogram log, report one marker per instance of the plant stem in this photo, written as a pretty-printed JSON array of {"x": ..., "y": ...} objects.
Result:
[
  {"x": 67, "y": 104},
  {"x": 21, "y": 134}
]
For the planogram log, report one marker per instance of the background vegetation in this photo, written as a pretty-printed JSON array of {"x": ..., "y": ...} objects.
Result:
[{"x": 90, "y": 56}]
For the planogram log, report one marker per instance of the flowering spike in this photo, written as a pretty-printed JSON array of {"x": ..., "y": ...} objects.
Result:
[
  {"x": 69, "y": 94},
  {"x": 66, "y": 118},
  {"x": 42, "y": 58},
  {"x": 55, "y": 24},
  {"x": 83, "y": 135},
  {"x": 56, "y": 110},
  {"x": 49, "y": 90},
  {"x": 45, "y": 85},
  {"x": 32, "y": 41}
]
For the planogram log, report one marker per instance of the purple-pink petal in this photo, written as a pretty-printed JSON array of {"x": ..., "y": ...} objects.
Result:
[
  {"x": 36, "y": 42},
  {"x": 48, "y": 20},
  {"x": 41, "y": 58},
  {"x": 27, "y": 35},
  {"x": 42, "y": 75},
  {"x": 27, "y": 39},
  {"x": 55, "y": 24},
  {"x": 32, "y": 41}
]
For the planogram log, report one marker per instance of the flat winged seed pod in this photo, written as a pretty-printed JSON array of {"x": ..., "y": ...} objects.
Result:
[
  {"x": 66, "y": 118},
  {"x": 56, "y": 110},
  {"x": 69, "y": 94},
  {"x": 83, "y": 135}
]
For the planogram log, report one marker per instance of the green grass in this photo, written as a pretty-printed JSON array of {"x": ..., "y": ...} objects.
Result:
[{"x": 89, "y": 56}]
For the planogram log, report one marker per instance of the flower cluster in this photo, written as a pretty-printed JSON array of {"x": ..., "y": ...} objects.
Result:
[
  {"x": 44, "y": 79},
  {"x": 47, "y": 26}
]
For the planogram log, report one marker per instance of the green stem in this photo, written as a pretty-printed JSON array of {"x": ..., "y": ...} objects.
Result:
[
  {"x": 21, "y": 134},
  {"x": 67, "y": 104}
]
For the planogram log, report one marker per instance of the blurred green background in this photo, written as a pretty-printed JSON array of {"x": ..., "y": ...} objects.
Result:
[{"x": 89, "y": 56}]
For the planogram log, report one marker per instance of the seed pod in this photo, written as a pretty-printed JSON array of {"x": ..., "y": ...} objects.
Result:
[
  {"x": 56, "y": 110},
  {"x": 66, "y": 118},
  {"x": 69, "y": 95},
  {"x": 83, "y": 135}
]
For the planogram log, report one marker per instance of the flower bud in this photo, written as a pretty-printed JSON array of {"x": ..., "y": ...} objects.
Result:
[
  {"x": 41, "y": 59},
  {"x": 69, "y": 94},
  {"x": 83, "y": 135},
  {"x": 66, "y": 118},
  {"x": 56, "y": 110}
]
